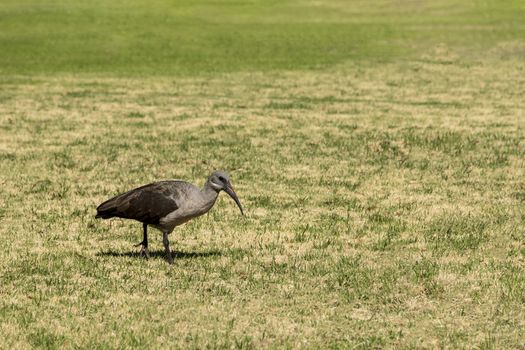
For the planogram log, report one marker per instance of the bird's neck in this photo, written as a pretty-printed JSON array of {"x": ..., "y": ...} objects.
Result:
[{"x": 209, "y": 194}]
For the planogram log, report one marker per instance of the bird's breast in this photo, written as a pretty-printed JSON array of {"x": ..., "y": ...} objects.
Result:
[{"x": 184, "y": 214}]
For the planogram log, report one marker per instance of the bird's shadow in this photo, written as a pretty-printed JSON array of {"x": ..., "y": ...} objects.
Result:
[{"x": 161, "y": 254}]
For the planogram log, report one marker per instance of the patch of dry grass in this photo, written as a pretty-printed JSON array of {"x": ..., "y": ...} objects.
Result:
[{"x": 384, "y": 208}]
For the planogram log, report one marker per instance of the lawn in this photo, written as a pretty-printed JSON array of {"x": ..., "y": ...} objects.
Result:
[{"x": 378, "y": 150}]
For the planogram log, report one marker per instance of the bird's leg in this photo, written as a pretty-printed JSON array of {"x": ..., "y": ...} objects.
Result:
[
  {"x": 144, "y": 244},
  {"x": 167, "y": 247}
]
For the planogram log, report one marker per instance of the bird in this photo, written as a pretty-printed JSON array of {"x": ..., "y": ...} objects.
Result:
[{"x": 167, "y": 204}]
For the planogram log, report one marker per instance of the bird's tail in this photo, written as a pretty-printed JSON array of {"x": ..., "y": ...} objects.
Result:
[
  {"x": 103, "y": 216},
  {"x": 106, "y": 210}
]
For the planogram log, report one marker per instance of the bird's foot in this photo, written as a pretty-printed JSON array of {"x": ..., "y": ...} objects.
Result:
[
  {"x": 169, "y": 258},
  {"x": 143, "y": 249},
  {"x": 144, "y": 252}
]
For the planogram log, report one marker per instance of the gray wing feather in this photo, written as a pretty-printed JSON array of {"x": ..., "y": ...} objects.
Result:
[{"x": 146, "y": 204}]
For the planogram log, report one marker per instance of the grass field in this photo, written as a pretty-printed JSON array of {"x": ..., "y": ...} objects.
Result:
[{"x": 378, "y": 150}]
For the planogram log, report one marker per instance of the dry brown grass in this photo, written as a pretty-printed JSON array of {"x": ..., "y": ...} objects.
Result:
[{"x": 384, "y": 208}]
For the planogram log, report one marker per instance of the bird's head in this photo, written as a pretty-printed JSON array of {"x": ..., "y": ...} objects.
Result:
[{"x": 219, "y": 180}]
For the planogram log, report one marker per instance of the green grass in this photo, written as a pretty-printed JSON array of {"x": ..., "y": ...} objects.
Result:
[
  {"x": 187, "y": 37},
  {"x": 378, "y": 152}
]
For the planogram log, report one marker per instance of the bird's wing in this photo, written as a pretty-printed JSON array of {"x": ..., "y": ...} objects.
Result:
[{"x": 147, "y": 204}]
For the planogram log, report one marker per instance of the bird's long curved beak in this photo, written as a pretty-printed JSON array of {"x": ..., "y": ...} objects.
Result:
[{"x": 229, "y": 189}]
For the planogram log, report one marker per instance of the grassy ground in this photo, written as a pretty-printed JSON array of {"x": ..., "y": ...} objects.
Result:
[
  {"x": 383, "y": 179},
  {"x": 188, "y": 37}
]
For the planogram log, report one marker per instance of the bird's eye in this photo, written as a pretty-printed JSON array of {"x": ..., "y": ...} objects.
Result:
[{"x": 222, "y": 179}]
